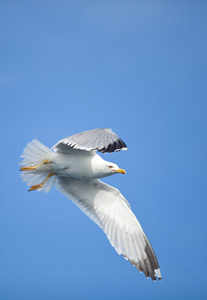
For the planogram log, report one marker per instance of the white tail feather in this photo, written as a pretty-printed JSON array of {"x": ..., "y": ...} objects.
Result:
[{"x": 35, "y": 153}]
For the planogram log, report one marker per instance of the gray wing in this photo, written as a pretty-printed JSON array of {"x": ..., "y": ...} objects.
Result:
[
  {"x": 103, "y": 140},
  {"x": 108, "y": 208}
]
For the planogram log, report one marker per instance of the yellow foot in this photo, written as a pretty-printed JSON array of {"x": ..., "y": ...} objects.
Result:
[
  {"x": 36, "y": 187},
  {"x": 34, "y": 167},
  {"x": 39, "y": 186}
]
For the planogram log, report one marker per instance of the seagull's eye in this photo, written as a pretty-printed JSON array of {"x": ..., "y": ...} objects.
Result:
[{"x": 110, "y": 167}]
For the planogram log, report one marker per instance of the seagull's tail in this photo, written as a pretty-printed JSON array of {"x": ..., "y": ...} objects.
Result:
[{"x": 35, "y": 153}]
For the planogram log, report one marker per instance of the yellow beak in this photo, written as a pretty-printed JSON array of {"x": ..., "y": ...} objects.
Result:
[{"x": 119, "y": 171}]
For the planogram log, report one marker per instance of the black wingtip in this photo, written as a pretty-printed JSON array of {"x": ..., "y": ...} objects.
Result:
[{"x": 118, "y": 145}]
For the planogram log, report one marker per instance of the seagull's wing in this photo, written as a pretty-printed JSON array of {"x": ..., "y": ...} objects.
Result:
[
  {"x": 108, "y": 208},
  {"x": 103, "y": 140}
]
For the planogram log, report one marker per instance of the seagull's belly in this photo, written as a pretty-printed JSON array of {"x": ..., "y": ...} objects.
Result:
[
  {"x": 79, "y": 173},
  {"x": 73, "y": 166}
]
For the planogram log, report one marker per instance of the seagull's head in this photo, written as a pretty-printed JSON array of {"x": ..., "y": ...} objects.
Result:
[
  {"x": 102, "y": 168},
  {"x": 113, "y": 169}
]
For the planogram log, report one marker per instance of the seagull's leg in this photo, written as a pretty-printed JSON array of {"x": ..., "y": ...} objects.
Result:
[
  {"x": 38, "y": 186},
  {"x": 34, "y": 167}
]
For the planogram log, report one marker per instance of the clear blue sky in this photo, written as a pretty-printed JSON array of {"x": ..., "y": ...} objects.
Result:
[{"x": 140, "y": 68}]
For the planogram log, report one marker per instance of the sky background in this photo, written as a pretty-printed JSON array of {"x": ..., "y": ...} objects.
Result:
[{"x": 140, "y": 68}]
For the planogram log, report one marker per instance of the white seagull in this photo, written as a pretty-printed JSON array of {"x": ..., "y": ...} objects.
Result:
[{"x": 74, "y": 167}]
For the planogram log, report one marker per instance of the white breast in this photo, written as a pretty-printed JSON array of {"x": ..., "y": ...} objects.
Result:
[{"x": 81, "y": 164}]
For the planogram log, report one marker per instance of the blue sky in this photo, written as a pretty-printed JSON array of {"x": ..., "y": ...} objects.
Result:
[{"x": 140, "y": 68}]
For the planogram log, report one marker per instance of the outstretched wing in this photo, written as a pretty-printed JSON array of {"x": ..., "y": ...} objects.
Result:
[
  {"x": 107, "y": 207},
  {"x": 103, "y": 140}
]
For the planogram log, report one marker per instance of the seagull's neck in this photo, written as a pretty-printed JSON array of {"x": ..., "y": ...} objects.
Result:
[{"x": 99, "y": 166}]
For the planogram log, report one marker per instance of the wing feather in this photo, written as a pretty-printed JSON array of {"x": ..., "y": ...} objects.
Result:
[
  {"x": 103, "y": 140},
  {"x": 107, "y": 207}
]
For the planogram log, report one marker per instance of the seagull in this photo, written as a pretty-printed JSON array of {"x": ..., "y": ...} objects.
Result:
[{"x": 74, "y": 167}]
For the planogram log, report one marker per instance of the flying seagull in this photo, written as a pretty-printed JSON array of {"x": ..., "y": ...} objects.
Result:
[{"x": 74, "y": 167}]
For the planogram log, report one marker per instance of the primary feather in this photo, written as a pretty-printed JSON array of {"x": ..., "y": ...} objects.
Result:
[{"x": 103, "y": 140}]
